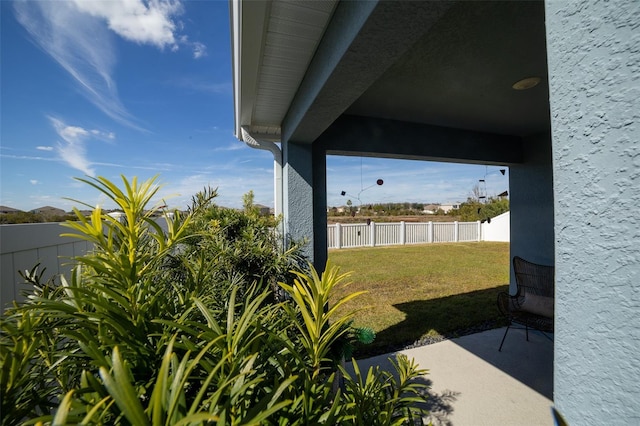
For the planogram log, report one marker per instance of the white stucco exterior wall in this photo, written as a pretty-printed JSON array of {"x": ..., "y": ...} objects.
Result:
[
  {"x": 23, "y": 246},
  {"x": 594, "y": 71}
]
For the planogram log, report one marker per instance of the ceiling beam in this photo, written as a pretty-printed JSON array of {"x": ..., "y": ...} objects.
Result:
[
  {"x": 361, "y": 42},
  {"x": 363, "y": 136}
]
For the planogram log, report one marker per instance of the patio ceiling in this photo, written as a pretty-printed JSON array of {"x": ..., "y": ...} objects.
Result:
[{"x": 299, "y": 66}]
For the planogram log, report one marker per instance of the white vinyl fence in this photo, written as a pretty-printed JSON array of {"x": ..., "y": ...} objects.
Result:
[
  {"x": 374, "y": 234},
  {"x": 386, "y": 234}
]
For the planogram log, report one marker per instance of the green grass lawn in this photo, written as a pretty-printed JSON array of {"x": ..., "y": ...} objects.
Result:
[{"x": 424, "y": 292}]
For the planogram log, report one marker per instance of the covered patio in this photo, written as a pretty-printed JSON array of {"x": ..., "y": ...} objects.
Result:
[
  {"x": 458, "y": 82},
  {"x": 474, "y": 384},
  {"x": 547, "y": 88}
]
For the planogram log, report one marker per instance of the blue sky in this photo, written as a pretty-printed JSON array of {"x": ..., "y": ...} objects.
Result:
[{"x": 139, "y": 88}]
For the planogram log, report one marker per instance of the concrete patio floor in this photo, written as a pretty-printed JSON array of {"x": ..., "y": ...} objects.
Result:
[{"x": 472, "y": 384}]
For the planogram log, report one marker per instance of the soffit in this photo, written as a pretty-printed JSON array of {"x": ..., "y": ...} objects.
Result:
[{"x": 292, "y": 32}]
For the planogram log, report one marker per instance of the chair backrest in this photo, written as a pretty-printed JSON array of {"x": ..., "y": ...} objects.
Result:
[{"x": 533, "y": 278}]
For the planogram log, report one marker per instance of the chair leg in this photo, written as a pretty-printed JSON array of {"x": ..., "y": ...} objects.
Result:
[
  {"x": 526, "y": 327},
  {"x": 504, "y": 337}
]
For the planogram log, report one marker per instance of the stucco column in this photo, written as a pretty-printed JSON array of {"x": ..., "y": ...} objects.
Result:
[
  {"x": 531, "y": 204},
  {"x": 594, "y": 68},
  {"x": 304, "y": 199}
]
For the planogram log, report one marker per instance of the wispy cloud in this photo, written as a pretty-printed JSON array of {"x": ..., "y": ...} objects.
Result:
[
  {"x": 72, "y": 149},
  {"x": 42, "y": 199},
  {"x": 78, "y": 36},
  {"x": 34, "y": 181},
  {"x": 82, "y": 46},
  {"x": 28, "y": 157},
  {"x": 199, "y": 50},
  {"x": 44, "y": 148},
  {"x": 199, "y": 85},
  {"x": 103, "y": 135},
  {"x": 406, "y": 180},
  {"x": 236, "y": 146},
  {"x": 151, "y": 167},
  {"x": 231, "y": 182}
]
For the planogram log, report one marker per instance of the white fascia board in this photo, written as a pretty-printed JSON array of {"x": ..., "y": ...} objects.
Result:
[{"x": 248, "y": 27}]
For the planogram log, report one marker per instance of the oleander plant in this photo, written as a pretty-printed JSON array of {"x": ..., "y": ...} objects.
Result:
[{"x": 180, "y": 325}]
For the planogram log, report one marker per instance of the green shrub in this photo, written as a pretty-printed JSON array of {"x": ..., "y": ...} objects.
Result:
[
  {"x": 136, "y": 337},
  {"x": 237, "y": 248}
]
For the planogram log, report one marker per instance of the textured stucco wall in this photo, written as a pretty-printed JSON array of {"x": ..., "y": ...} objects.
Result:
[
  {"x": 298, "y": 195},
  {"x": 594, "y": 69},
  {"x": 305, "y": 200},
  {"x": 320, "y": 252},
  {"x": 531, "y": 203}
]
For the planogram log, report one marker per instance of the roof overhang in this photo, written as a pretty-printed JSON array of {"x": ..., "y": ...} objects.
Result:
[
  {"x": 299, "y": 66},
  {"x": 273, "y": 43}
]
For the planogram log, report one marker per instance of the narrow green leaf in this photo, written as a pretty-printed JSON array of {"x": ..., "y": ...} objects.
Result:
[
  {"x": 197, "y": 419},
  {"x": 120, "y": 388},
  {"x": 90, "y": 418},
  {"x": 63, "y": 410},
  {"x": 156, "y": 403}
]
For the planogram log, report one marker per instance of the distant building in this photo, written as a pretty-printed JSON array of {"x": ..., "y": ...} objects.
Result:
[
  {"x": 434, "y": 208},
  {"x": 448, "y": 207},
  {"x": 430, "y": 208}
]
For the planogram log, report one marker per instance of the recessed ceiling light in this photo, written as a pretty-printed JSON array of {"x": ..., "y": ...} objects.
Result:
[{"x": 526, "y": 83}]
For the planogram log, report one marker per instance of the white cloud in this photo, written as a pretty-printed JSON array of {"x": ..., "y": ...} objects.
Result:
[
  {"x": 143, "y": 22},
  {"x": 72, "y": 149},
  {"x": 103, "y": 135},
  {"x": 199, "y": 50},
  {"x": 34, "y": 181},
  {"x": 78, "y": 36},
  {"x": 71, "y": 134},
  {"x": 44, "y": 148}
]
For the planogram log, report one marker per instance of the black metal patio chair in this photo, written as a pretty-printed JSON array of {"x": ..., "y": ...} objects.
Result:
[{"x": 533, "y": 304}]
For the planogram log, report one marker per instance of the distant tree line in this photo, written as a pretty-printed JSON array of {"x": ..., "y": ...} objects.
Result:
[
  {"x": 380, "y": 209},
  {"x": 32, "y": 217},
  {"x": 473, "y": 209},
  {"x": 29, "y": 217}
]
